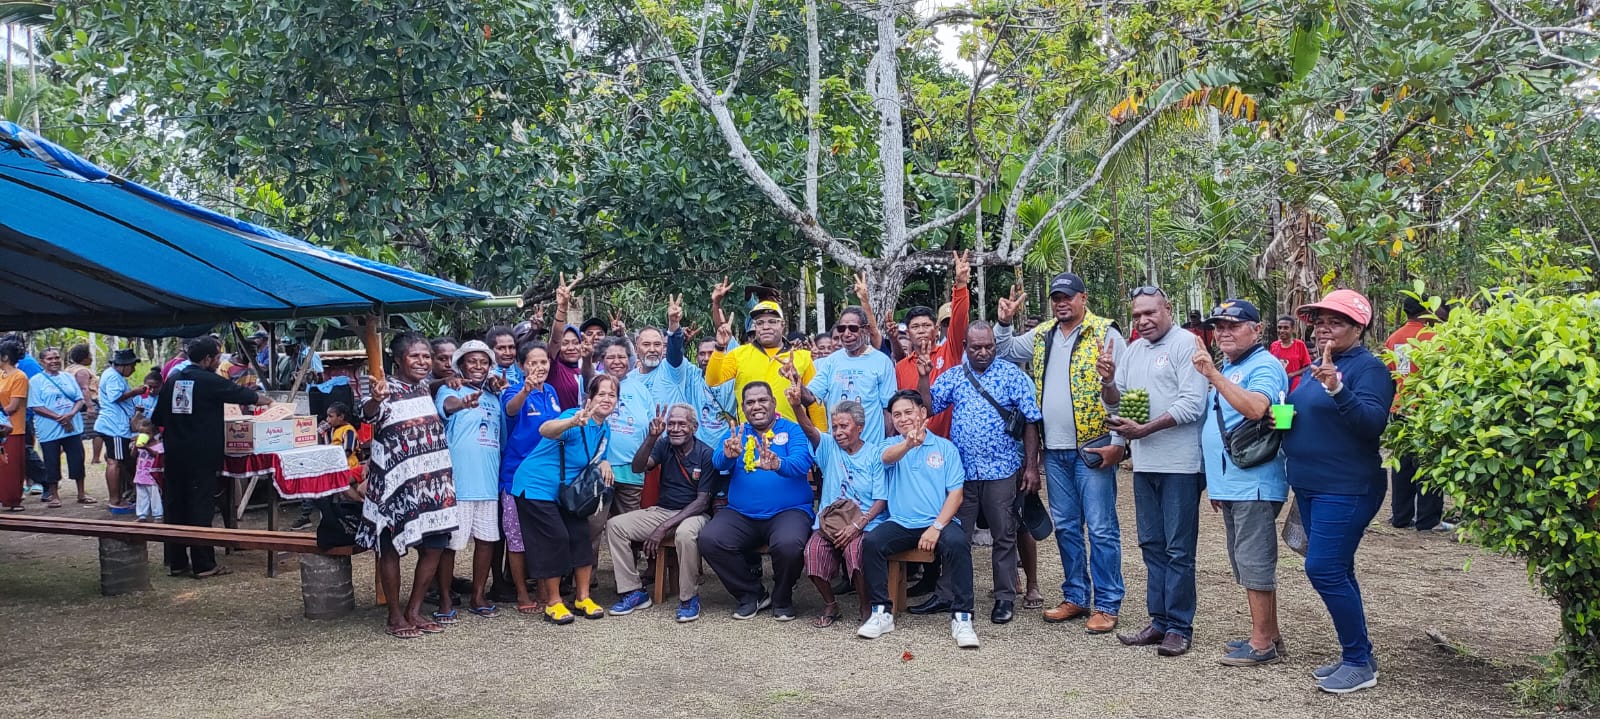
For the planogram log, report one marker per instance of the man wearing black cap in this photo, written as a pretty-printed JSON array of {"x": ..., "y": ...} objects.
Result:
[
  {"x": 1244, "y": 388},
  {"x": 263, "y": 343},
  {"x": 113, "y": 424},
  {"x": 1061, "y": 354}
]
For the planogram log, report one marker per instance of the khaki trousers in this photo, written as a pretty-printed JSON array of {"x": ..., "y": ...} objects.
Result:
[{"x": 625, "y": 529}]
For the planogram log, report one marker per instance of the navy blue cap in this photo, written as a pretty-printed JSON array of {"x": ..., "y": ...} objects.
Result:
[
  {"x": 1234, "y": 311},
  {"x": 1068, "y": 284}
]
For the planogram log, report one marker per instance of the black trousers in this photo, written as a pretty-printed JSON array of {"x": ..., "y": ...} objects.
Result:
[
  {"x": 1411, "y": 505},
  {"x": 954, "y": 551},
  {"x": 72, "y": 447},
  {"x": 190, "y": 493},
  {"x": 729, "y": 542}
]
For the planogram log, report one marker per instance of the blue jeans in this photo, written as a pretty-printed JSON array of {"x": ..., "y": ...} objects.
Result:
[
  {"x": 1167, "y": 508},
  {"x": 1081, "y": 497},
  {"x": 1334, "y": 525}
]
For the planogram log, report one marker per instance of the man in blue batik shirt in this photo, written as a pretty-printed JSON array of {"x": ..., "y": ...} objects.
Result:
[{"x": 997, "y": 465}]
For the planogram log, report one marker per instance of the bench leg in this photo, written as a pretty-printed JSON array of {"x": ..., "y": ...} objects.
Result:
[
  {"x": 124, "y": 567},
  {"x": 897, "y": 586},
  {"x": 326, "y": 586}
]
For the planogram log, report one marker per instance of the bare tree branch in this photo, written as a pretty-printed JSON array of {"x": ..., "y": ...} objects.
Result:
[
  {"x": 1021, "y": 250},
  {"x": 1019, "y": 189},
  {"x": 744, "y": 48}
]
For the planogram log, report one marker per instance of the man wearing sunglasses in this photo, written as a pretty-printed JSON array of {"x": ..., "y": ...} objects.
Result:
[
  {"x": 856, "y": 372},
  {"x": 1167, "y": 470},
  {"x": 1061, "y": 354}
]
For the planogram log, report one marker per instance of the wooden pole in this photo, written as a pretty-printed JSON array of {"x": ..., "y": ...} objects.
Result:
[
  {"x": 374, "y": 349},
  {"x": 304, "y": 362}
]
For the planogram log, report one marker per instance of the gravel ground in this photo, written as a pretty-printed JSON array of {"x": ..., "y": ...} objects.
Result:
[{"x": 238, "y": 646}]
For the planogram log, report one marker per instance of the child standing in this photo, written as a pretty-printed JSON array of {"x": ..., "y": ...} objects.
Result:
[
  {"x": 340, "y": 433},
  {"x": 148, "y": 501}
]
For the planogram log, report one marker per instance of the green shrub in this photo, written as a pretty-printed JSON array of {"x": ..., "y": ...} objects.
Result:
[{"x": 1501, "y": 411}]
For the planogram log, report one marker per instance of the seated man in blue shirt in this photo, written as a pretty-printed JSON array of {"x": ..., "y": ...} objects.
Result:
[
  {"x": 768, "y": 462},
  {"x": 925, "y": 489}
]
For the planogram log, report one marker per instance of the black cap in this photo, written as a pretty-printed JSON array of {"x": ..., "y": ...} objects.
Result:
[
  {"x": 592, "y": 322},
  {"x": 124, "y": 357},
  {"x": 1068, "y": 284},
  {"x": 1234, "y": 311}
]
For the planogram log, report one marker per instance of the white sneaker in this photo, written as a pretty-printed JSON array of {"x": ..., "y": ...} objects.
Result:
[
  {"x": 961, "y": 629},
  {"x": 880, "y": 623}
]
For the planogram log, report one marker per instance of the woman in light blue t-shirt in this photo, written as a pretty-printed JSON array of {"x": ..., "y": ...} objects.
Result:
[
  {"x": 58, "y": 403},
  {"x": 851, "y": 469}
]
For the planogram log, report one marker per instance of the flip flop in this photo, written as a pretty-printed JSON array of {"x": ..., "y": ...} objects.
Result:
[
  {"x": 403, "y": 632},
  {"x": 487, "y": 611},
  {"x": 18, "y": 508},
  {"x": 445, "y": 618},
  {"x": 530, "y": 608},
  {"x": 216, "y": 571},
  {"x": 430, "y": 628},
  {"x": 88, "y": 500},
  {"x": 53, "y": 503},
  {"x": 827, "y": 618}
]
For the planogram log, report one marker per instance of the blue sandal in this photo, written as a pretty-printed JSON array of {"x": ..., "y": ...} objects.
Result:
[
  {"x": 445, "y": 618},
  {"x": 489, "y": 611}
]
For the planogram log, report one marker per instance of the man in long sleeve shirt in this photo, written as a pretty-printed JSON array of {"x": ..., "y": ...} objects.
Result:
[
  {"x": 768, "y": 462},
  {"x": 1168, "y": 472},
  {"x": 1060, "y": 355}
]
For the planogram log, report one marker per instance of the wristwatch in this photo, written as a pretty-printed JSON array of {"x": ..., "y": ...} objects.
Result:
[{"x": 940, "y": 525}]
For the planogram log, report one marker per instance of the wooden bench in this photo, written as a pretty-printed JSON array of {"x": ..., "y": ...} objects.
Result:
[
  {"x": 667, "y": 569},
  {"x": 897, "y": 576},
  {"x": 325, "y": 580}
]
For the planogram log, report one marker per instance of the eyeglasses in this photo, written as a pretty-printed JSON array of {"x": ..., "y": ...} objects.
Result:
[
  {"x": 1146, "y": 290},
  {"x": 852, "y": 329}
]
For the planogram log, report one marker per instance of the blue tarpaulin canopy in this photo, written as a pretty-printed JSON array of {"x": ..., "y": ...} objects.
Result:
[{"x": 82, "y": 248}]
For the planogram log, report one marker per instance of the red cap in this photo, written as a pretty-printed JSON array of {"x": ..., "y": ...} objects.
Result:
[{"x": 1349, "y": 303}]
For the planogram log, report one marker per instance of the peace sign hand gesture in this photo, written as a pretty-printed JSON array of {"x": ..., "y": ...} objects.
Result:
[
  {"x": 674, "y": 312},
  {"x": 1009, "y": 306},
  {"x": 765, "y": 458},
  {"x": 1328, "y": 373},
  {"x": 915, "y": 437},
  {"x": 787, "y": 370},
  {"x": 658, "y": 423},
  {"x": 583, "y": 415},
  {"x": 862, "y": 292},
  {"x": 733, "y": 446},
  {"x": 618, "y": 327},
  {"x": 962, "y": 262},
  {"x": 724, "y": 335},
  {"x": 1107, "y": 364},
  {"x": 719, "y": 291},
  {"x": 924, "y": 361}
]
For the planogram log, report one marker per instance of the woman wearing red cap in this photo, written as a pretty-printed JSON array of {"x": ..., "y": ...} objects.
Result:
[{"x": 1331, "y": 452}]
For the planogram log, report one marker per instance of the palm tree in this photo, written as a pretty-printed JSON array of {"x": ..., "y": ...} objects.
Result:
[{"x": 29, "y": 15}]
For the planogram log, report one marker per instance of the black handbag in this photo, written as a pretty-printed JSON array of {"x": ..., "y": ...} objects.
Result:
[
  {"x": 587, "y": 492},
  {"x": 1015, "y": 423},
  {"x": 1254, "y": 442}
]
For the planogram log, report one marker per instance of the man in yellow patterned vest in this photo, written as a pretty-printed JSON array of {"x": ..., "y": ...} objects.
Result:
[{"x": 1061, "y": 354}]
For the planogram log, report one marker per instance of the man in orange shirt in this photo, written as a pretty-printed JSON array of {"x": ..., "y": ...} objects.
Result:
[
  {"x": 1410, "y": 505},
  {"x": 924, "y": 330}
]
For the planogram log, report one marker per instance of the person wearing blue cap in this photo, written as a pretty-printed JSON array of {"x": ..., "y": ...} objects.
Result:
[{"x": 1244, "y": 389}]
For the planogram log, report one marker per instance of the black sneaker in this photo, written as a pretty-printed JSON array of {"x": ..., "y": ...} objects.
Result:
[
  {"x": 783, "y": 614},
  {"x": 301, "y": 522}
]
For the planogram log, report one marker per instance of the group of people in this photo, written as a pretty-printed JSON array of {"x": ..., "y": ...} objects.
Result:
[
  {"x": 832, "y": 465},
  {"x": 830, "y": 460}
]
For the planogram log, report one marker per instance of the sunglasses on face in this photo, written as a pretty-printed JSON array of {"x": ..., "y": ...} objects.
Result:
[
  {"x": 1146, "y": 290},
  {"x": 852, "y": 329}
]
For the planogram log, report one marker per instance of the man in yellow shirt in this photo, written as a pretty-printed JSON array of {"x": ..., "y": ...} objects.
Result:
[{"x": 768, "y": 359}]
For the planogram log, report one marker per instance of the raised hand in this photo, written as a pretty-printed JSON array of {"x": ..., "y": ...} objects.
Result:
[
  {"x": 1202, "y": 359},
  {"x": 924, "y": 360},
  {"x": 1107, "y": 364},
  {"x": 689, "y": 333},
  {"x": 724, "y": 334},
  {"x": 674, "y": 312},
  {"x": 618, "y": 327},
  {"x": 536, "y": 318},
  {"x": 863, "y": 293},
  {"x": 494, "y": 382},
  {"x": 379, "y": 390},
  {"x": 720, "y": 291},
  {"x": 1010, "y": 305},
  {"x": 1328, "y": 373},
  {"x": 471, "y": 400},
  {"x": 583, "y": 415},
  {"x": 658, "y": 423},
  {"x": 915, "y": 437},
  {"x": 733, "y": 446},
  {"x": 963, "y": 266},
  {"x": 787, "y": 370},
  {"x": 794, "y": 395},
  {"x": 563, "y": 297},
  {"x": 765, "y": 458}
]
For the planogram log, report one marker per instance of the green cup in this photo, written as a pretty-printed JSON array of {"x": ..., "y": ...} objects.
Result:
[{"x": 1282, "y": 415}]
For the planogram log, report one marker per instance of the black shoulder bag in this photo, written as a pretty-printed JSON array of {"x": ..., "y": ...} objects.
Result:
[
  {"x": 1013, "y": 420},
  {"x": 1254, "y": 442},
  {"x": 588, "y": 492}
]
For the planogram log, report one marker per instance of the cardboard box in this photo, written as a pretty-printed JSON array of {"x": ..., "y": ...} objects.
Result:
[{"x": 256, "y": 436}]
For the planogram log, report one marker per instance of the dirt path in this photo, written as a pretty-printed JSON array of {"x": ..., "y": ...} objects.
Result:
[{"x": 237, "y": 646}]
